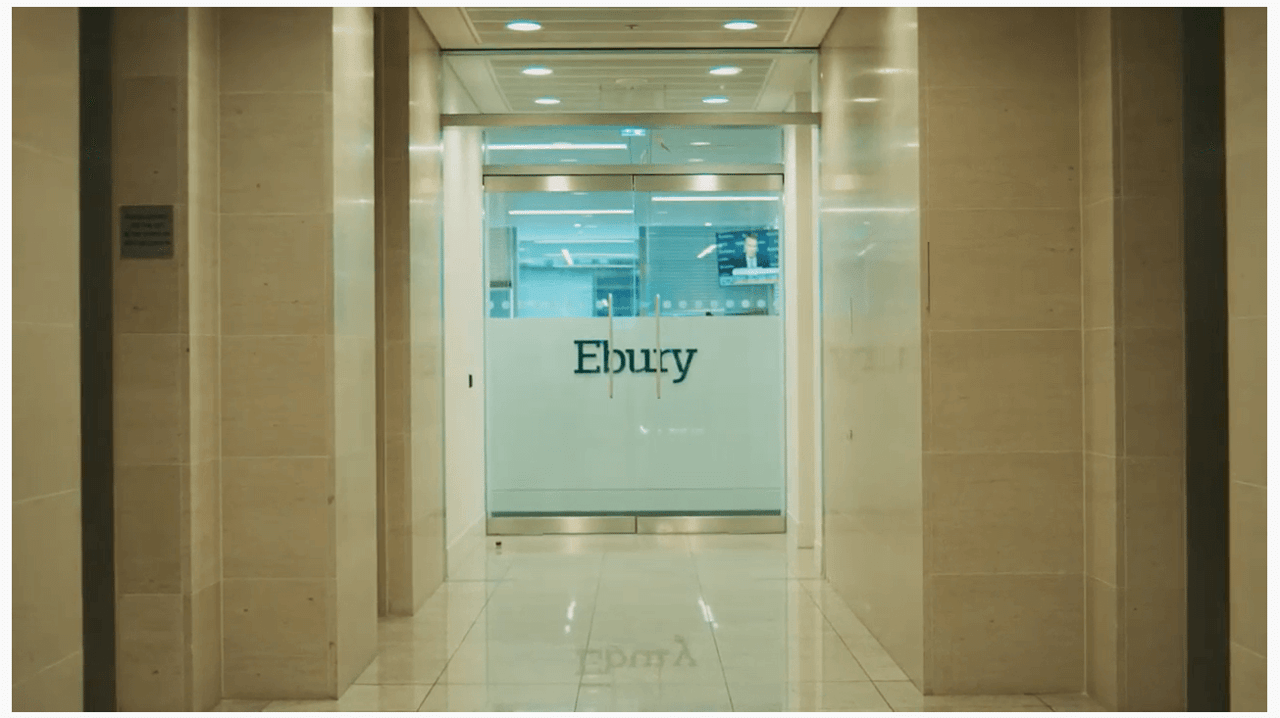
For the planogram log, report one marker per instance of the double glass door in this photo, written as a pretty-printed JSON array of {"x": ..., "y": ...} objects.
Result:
[{"x": 634, "y": 353}]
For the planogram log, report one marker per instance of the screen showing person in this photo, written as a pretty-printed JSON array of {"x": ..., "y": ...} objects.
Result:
[
  {"x": 752, "y": 258},
  {"x": 748, "y": 256}
]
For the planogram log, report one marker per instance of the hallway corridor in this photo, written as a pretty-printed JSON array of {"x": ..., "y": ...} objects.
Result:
[{"x": 637, "y": 623}]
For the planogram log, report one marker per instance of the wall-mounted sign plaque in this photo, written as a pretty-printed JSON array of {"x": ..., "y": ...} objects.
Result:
[{"x": 146, "y": 232}]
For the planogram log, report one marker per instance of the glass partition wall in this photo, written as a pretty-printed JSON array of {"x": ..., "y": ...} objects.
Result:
[{"x": 634, "y": 342}]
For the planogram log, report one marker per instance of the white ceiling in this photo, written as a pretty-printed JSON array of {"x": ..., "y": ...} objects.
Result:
[{"x": 627, "y": 27}]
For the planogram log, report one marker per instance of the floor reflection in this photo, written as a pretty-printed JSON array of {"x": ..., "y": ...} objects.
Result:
[{"x": 638, "y": 623}]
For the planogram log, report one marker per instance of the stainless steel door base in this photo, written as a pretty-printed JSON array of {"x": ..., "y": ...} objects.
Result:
[{"x": 550, "y": 525}]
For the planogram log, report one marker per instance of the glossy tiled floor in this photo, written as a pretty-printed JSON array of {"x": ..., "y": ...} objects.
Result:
[{"x": 638, "y": 623}]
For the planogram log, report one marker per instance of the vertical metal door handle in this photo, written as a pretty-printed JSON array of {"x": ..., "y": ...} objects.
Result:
[
  {"x": 608, "y": 354},
  {"x": 657, "y": 331}
]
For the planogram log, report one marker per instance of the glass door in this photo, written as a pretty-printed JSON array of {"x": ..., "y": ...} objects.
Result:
[{"x": 634, "y": 353}]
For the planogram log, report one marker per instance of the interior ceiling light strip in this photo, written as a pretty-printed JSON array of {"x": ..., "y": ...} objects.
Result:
[
  {"x": 613, "y": 255},
  {"x": 715, "y": 199},
  {"x": 569, "y": 211},
  {"x": 562, "y": 146},
  {"x": 581, "y": 241}
]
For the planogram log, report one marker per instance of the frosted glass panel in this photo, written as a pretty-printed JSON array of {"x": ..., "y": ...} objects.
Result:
[
  {"x": 688, "y": 417},
  {"x": 559, "y": 444}
]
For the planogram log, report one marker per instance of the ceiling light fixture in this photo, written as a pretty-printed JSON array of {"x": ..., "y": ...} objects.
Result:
[
  {"x": 725, "y": 70},
  {"x": 536, "y": 70},
  {"x": 710, "y": 248},
  {"x": 519, "y": 212},
  {"x": 699, "y": 144},
  {"x": 695, "y": 159},
  {"x": 569, "y": 261},
  {"x": 561, "y": 146},
  {"x": 695, "y": 198},
  {"x": 580, "y": 241},
  {"x": 740, "y": 25},
  {"x": 715, "y": 100},
  {"x": 548, "y": 100},
  {"x": 524, "y": 25},
  {"x": 866, "y": 99}
]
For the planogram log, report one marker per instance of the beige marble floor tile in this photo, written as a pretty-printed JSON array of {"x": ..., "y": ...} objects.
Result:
[
  {"x": 904, "y": 696},
  {"x": 648, "y": 697},
  {"x": 392, "y": 668},
  {"x": 1072, "y": 703},
  {"x": 496, "y": 697},
  {"x": 235, "y": 705},
  {"x": 807, "y": 697},
  {"x": 361, "y": 699}
]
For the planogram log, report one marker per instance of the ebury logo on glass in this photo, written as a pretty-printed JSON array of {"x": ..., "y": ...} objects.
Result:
[{"x": 640, "y": 361}]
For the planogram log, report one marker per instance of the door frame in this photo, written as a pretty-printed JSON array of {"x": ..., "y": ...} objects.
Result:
[{"x": 639, "y": 178}]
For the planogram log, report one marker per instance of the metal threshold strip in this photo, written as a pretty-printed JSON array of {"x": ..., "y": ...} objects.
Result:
[{"x": 720, "y": 523}]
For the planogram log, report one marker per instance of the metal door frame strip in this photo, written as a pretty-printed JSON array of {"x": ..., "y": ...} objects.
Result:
[{"x": 577, "y": 525}]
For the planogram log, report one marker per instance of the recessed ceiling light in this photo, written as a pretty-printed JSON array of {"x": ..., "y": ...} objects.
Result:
[
  {"x": 695, "y": 159},
  {"x": 699, "y": 144},
  {"x": 523, "y": 25},
  {"x": 537, "y": 70},
  {"x": 866, "y": 99},
  {"x": 548, "y": 100},
  {"x": 740, "y": 25},
  {"x": 726, "y": 70},
  {"x": 715, "y": 100}
]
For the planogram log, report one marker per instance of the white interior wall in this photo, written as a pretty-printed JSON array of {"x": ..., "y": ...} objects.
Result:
[{"x": 464, "y": 316}]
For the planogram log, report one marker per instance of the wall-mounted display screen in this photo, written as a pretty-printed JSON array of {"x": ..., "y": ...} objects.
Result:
[{"x": 748, "y": 256}]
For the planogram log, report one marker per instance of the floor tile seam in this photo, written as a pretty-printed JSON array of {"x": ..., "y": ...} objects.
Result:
[
  {"x": 487, "y": 596},
  {"x": 595, "y": 606},
  {"x": 879, "y": 692},
  {"x": 827, "y": 622},
  {"x": 724, "y": 676},
  {"x": 855, "y": 658}
]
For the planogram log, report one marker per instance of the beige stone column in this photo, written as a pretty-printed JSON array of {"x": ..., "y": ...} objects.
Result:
[
  {"x": 48, "y": 655},
  {"x": 1004, "y": 599},
  {"x": 167, "y": 485},
  {"x": 1246, "y": 130},
  {"x": 410, "y": 437},
  {"x": 298, "y": 360},
  {"x": 1134, "y": 383},
  {"x": 1101, "y": 399}
]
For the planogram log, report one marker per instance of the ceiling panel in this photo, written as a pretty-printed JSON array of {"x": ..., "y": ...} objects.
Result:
[
  {"x": 648, "y": 81},
  {"x": 628, "y": 27}
]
